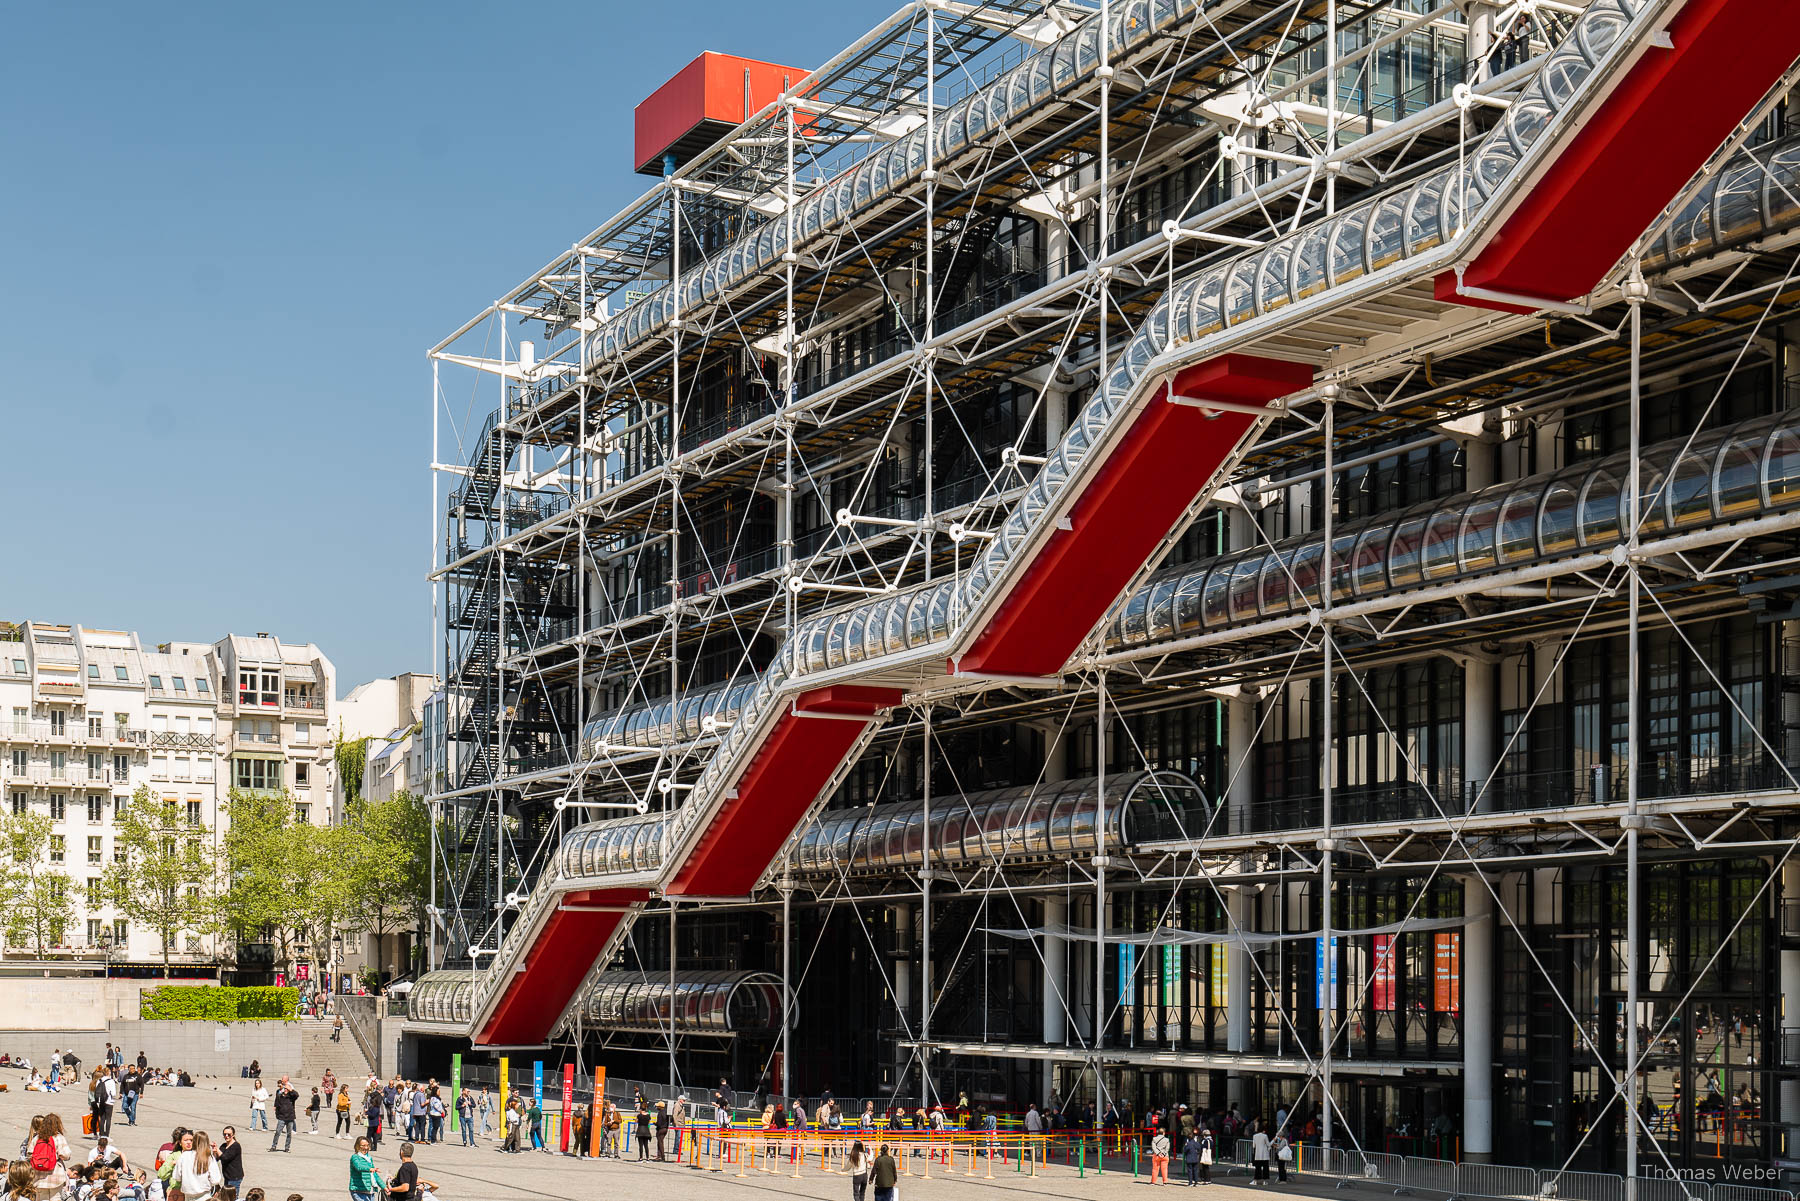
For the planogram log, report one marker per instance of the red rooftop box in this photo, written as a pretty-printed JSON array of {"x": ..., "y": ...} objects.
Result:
[{"x": 707, "y": 99}]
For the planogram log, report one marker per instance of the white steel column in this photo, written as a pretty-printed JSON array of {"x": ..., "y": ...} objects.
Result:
[
  {"x": 1242, "y": 901},
  {"x": 1478, "y": 1020},
  {"x": 787, "y": 985},
  {"x": 1327, "y": 973},
  {"x": 1635, "y": 291},
  {"x": 1480, "y": 735},
  {"x": 1101, "y": 745},
  {"x": 925, "y": 874},
  {"x": 1055, "y": 992}
]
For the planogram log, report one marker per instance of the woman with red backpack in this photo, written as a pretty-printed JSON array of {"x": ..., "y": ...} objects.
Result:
[{"x": 49, "y": 1158}]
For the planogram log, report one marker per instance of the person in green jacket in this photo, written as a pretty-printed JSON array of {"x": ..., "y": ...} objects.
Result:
[
  {"x": 886, "y": 1175},
  {"x": 365, "y": 1181},
  {"x": 536, "y": 1117}
]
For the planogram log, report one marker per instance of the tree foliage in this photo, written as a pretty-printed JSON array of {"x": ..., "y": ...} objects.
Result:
[
  {"x": 351, "y": 757},
  {"x": 39, "y": 905},
  {"x": 165, "y": 875},
  {"x": 297, "y": 884}
]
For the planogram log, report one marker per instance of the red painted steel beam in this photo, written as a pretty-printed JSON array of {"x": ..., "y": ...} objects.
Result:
[
  {"x": 1164, "y": 460},
  {"x": 1672, "y": 111}
]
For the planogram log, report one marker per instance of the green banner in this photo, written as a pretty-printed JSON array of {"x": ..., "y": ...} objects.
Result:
[{"x": 455, "y": 1091}]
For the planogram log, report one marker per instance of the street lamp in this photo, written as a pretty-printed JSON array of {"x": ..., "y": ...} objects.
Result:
[
  {"x": 337, "y": 950},
  {"x": 106, "y": 949}
]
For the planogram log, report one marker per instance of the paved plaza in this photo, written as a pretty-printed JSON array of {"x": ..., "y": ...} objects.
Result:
[{"x": 318, "y": 1166}]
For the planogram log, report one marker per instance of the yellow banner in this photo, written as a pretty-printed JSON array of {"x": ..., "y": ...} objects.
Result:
[{"x": 503, "y": 1067}]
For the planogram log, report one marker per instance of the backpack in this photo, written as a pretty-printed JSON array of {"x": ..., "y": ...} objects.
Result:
[{"x": 43, "y": 1156}]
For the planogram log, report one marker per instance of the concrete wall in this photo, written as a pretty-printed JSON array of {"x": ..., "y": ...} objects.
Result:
[
  {"x": 66, "y": 1003},
  {"x": 201, "y": 1048}
]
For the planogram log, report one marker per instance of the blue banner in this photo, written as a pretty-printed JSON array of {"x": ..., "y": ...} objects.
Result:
[
  {"x": 537, "y": 1082},
  {"x": 1127, "y": 960},
  {"x": 1319, "y": 948}
]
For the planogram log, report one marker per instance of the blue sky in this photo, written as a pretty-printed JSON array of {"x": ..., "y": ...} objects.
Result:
[{"x": 228, "y": 234}]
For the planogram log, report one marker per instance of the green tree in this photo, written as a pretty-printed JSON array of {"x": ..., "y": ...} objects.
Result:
[
  {"x": 387, "y": 854},
  {"x": 39, "y": 904},
  {"x": 164, "y": 877},
  {"x": 287, "y": 880}
]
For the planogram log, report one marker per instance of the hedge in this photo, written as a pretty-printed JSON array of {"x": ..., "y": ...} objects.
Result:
[{"x": 211, "y": 1003}]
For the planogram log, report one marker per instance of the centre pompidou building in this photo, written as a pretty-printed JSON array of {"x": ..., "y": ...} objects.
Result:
[{"x": 1232, "y": 552}]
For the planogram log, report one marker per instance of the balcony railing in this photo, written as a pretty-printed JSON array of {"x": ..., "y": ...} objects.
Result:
[
  {"x": 292, "y": 701},
  {"x": 199, "y": 742}
]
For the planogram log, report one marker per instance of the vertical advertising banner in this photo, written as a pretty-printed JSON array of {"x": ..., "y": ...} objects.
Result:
[
  {"x": 596, "y": 1112},
  {"x": 1446, "y": 976},
  {"x": 1320, "y": 984},
  {"x": 1220, "y": 988},
  {"x": 1383, "y": 989},
  {"x": 504, "y": 1083},
  {"x": 537, "y": 1089},
  {"x": 455, "y": 1090},
  {"x": 568, "y": 1105}
]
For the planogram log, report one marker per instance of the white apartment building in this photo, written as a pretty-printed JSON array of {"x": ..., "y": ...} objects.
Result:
[
  {"x": 87, "y": 716},
  {"x": 388, "y": 712}
]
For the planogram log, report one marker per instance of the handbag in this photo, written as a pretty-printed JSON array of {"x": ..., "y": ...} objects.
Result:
[
  {"x": 1286, "y": 1154},
  {"x": 1206, "y": 1156}
]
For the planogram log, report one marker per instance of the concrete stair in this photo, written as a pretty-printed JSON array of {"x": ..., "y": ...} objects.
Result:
[{"x": 317, "y": 1053}]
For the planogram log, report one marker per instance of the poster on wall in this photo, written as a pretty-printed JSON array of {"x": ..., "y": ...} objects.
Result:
[
  {"x": 1446, "y": 975},
  {"x": 303, "y": 971},
  {"x": 280, "y": 979}
]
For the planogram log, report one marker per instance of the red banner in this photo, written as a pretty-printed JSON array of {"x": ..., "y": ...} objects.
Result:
[
  {"x": 1384, "y": 973},
  {"x": 568, "y": 1102},
  {"x": 1446, "y": 976}
]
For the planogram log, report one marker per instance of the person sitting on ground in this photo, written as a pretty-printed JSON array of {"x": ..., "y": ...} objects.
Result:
[{"x": 106, "y": 1154}]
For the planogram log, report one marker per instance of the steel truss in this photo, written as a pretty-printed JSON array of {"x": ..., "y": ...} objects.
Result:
[{"x": 628, "y": 531}]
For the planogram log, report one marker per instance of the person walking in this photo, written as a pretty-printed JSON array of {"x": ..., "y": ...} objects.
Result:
[
  {"x": 312, "y": 1110},
  {"x": 465, "y": 1114},
  {"x": 373, "y": 1110},
  {"x": 341, "y": 1106},
  {"x": 337, "y": 1028},
  {"x": 131, "y": 1087},
  {"x": 286, "y": 1097},
  {"x": 534, "y": 1121},
  {"x": 415, "y": 1112},
  {"x": 106, "y": 1097},
  {"x": 365, "y": 1181},
  {"x": 231, "y": 1158},
  {"x": 1259, "y": 1156},
  {"x": 884, "y": 1175},
  {"x": 259, "y": 1105},
  {"x": 857, "y": 1165}
]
